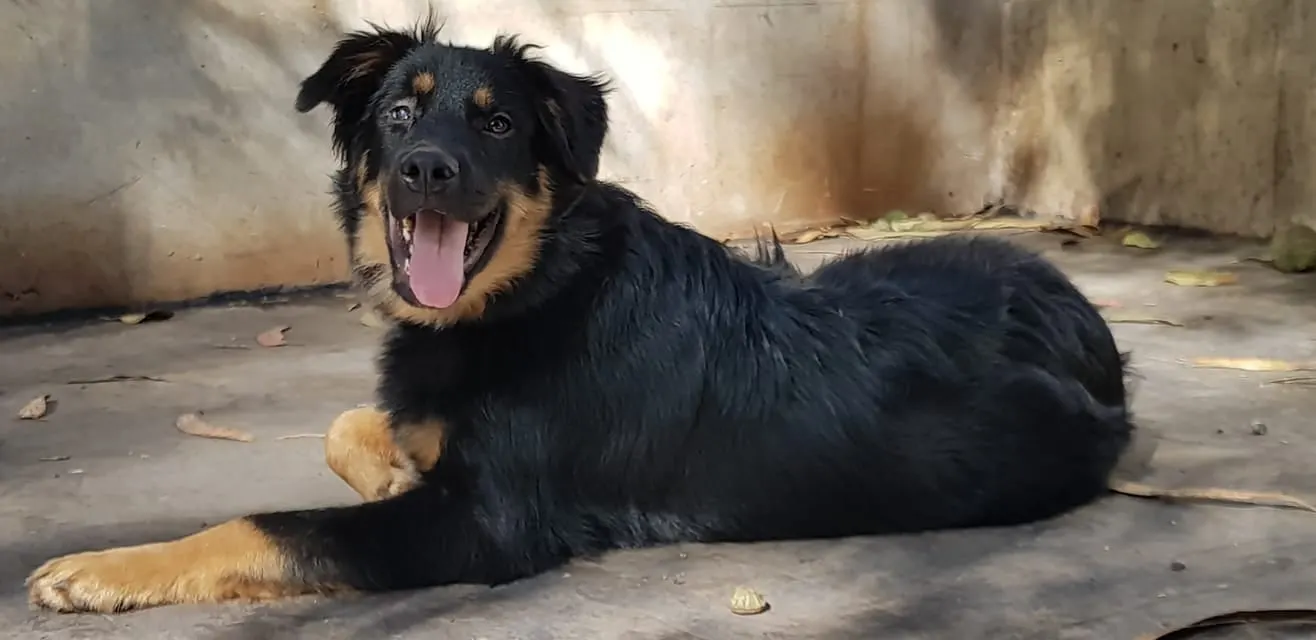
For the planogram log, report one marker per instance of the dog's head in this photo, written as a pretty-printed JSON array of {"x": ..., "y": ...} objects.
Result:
[{"x": 452, "y": 156}]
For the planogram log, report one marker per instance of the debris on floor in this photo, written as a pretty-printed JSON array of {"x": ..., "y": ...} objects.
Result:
[
  {"x": 1183, "y": 278},
  {"x": 747, "y": 602},
  {"x": 898, "y": 224},
  {"x": 156, "y": 315},
  {"x": 1212, "y": 494},
  {"x": 1139, "y": 240},
  {"x": 193, "y": 425},
  {"x": 275, "y": 337},
  {"x": 1126, "y": 317},
  {"x": 1293, "y": 249},
  {"x": 36, "y": 408}
]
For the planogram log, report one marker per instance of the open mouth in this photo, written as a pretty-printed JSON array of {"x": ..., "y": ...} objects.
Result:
[{"x": 435, "y": 255}]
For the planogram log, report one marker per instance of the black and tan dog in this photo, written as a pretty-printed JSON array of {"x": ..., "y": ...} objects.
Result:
[{"x": 571, "y": 374}]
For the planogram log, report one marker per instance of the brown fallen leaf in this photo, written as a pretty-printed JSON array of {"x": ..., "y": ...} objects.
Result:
[
  {"x": 273, "y": 337},
  {"x": 869, "y": 233},
  {"x": 898, "y": 224},
  {"x": 1200, "y": 278},
  {"x": 1289, "y": 618},
  {"x": 1253, "y": 364},
  {"x": 1128, "y": 318},
  {"x": 1212, "y": 494},
  {"x": 1262, "y": 259},
  {"x": 811, "y": 235},
  {"x": 747, "y": 602},
  {"x": 193, "y": 425},
  {"x": 149, "y": 316},
  {"x": 1139, "y": 240},
  {"x": 1081, "y": 230},
  {"x": 371, "y": 319},
  {"x": 36, "y": 408}
]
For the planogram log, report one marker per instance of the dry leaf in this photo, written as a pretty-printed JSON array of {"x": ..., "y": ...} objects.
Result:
[
  {"x": 1013, "y": 223},
  {"x": 1212, "y": 494},
  {"x": 36, "y": 408},
  {"x": 811, "y": 235},
  {"x": 1139, "y": 240},
  {"x": 870, "y": 233},
  {"x": 149, "y": 316},
  {"x": 1129, "y": 318},
  {"x": 1253, "y": 364},
  {"x": 193, "y": 425},
  {"x": 1289, "y": 618},
  {"x": 1083, "y": 230},
  {"x": 747, "y": 602},
  {"x": 372, "y": 320},
  {"x": 1200, "y": 278},
  {"x": 1301, "y": 381},
  {"x": 898, "y": 224},
  {"x": 117, "y": 378},
  {"x": 273, "y": 338}
]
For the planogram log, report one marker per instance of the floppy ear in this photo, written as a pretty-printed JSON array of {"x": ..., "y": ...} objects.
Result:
[
  {"x": 353, "y": 72},
  {"x": 572, "y": 111}
]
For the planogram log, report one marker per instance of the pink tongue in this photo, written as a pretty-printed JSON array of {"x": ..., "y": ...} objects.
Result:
[{"x": 437, "y": 252}]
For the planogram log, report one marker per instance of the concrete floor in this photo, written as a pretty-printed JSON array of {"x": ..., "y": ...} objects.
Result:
[{"x": 1104, "y": 572}]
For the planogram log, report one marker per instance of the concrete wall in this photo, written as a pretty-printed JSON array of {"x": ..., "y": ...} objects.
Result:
[{"x": 151, "y": 152}]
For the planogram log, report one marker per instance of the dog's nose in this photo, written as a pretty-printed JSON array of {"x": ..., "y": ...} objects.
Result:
[{"x": 428, "y": 170}]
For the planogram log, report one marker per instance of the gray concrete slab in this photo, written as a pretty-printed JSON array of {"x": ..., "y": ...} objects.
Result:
[{"x": 1101, "y": 573}]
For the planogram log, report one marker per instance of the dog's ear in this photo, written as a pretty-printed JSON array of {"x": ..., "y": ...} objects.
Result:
[
  {"x": 354, "y": 71},
  {"x": 572, "y": 111}
]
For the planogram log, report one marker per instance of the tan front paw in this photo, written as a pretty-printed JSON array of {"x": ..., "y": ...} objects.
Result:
[
  {"x": 102, "y": 581},
  {"x": 232, "y": 561},
  {"x": 360, "y": 448}
]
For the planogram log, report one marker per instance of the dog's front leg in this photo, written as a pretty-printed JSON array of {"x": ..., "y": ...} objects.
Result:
[
  {"x": 420, "y": 538},
  {"x": 378, "y": 459}
]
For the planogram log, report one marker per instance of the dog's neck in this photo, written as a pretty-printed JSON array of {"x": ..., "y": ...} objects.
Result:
[{"x": 569, "y": 243}]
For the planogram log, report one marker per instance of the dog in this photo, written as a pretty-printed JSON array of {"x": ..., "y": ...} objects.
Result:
[{"x": 568, "y": 373}]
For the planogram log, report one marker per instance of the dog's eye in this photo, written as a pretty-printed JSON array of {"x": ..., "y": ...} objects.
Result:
[
  {"x": 400, "y": 113},
  {"x": 499, "y": 125}
]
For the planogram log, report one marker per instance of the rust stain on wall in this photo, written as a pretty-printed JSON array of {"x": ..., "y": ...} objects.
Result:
[{"x": 55, "y": 266}]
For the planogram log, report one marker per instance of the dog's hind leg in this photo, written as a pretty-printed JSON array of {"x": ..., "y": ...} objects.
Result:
[
  {"x": 416, "y": 539},
  {"x": 376, "y": 459}
]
